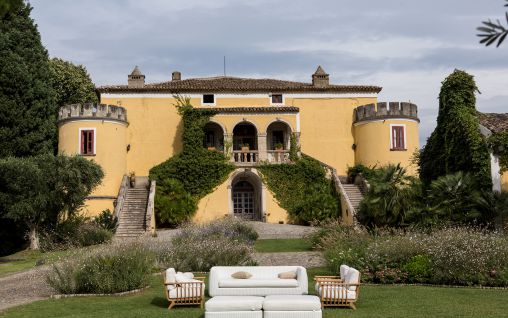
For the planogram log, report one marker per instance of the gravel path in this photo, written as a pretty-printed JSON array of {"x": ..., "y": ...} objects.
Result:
[
  {"x": 305, "y": 259},
  {"x": 265, "y": 231},
  {"x": 25, "y": 287}
]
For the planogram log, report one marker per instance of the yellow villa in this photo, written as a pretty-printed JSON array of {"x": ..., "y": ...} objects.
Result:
[{"x": 136, "y": 126}]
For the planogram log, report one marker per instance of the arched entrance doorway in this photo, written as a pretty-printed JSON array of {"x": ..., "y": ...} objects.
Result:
[{"x": 246, "y": 196}]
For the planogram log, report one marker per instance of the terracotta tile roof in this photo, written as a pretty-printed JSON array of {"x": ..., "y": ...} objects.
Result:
[
  {"x": 255, "y": 109},
  {"x": 227, "y": 84},
  {"x": 495, "y": 122}
]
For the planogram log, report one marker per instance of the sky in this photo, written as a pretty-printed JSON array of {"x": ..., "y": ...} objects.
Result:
[{"x": 406, "y": 46}]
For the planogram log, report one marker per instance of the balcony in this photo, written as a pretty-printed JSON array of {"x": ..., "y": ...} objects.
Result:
[{"x": 253, "y": 157}]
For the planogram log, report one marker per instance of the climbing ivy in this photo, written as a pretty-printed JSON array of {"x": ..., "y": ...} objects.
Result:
[
  {"x": 456, "y": 144},
  {"x": 498, "y": 142},
  {"x": 185, "y": 178},
  {"x": 302, "y": 189}
]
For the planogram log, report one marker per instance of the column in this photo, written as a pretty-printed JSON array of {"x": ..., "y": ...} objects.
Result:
[{"x": 262, "y": 147}]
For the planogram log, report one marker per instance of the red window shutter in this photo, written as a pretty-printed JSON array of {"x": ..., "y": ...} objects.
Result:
[
  {"x": 398, "y": 137},
  {"x": 87, "y": 142}
]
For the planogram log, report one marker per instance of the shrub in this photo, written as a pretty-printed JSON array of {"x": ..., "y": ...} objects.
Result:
[
  {"x": 113, "y": 269},
  {"x": 226, "y": 242},
  {"x": 419, "y": 268},
  {"x": 106, "y": 220},
  {"x": 352, "y": 172}
]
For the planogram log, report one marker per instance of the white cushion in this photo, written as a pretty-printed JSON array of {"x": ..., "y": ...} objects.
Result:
[
  {"x": 291, "y": 303},
  {"x": 188, "y": 275},
  {"x": 336, "y": 292},
  {"x": 170, "y": 276},
  {"x": 343, "y": 271},
  {"x": 186, "y": 291},
  {"x": 352, "y": 277},
  {"x": 234, "y": 303},
  {"x": 253, "y": 283}
]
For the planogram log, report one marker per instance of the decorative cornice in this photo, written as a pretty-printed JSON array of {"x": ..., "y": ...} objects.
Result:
[{"x": 240, "y": 110}]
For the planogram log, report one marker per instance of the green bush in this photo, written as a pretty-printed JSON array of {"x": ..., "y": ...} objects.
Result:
[
  {"x": 419, "y": 268},
  {"x": 106, "y": 220},
  {"x": 352, "y": 172},
  {"x": 114, "y": 269},
  {"x": 227, "y": 242},
  {"x": 303, "y": 189},
  {"x": 173, "y": 204}
]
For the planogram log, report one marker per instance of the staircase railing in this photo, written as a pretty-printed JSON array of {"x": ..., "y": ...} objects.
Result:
[
  {"x": 348, "y": 210},
  {"x": 150, "y": 210},
  {"x": 121, "y": 197}
]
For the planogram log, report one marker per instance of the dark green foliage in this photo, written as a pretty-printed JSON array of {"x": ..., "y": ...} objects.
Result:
[
  {"x": 499, "y": 144},
  {"x": 302, "y": 189},
  {"x": 12, "y": 236},
  {"x": 27, "y": 103},
  {"x": 391, "y": 197},
  {"x": 419, "y": 268},
  {"x": 106, "y": 220},
  {"x": 352, "y": 172},
  {"x": 456, "y": 144},
  {"x": 187, "y": 177},
  {"x": 294, "y": 149},
  {"x": 36, "y": 190},
  {"x": 493, "y": 31},
  {"x": 9, "y": 6},
  {"x": 72, "y": 83}
]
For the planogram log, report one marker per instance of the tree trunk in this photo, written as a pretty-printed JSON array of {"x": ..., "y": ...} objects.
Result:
[{"x": 34, "y": 238}]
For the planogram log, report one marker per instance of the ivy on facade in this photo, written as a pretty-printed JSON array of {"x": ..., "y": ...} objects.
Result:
[
  {"x": 303, "y": 189},
  {"x": 498, "y": 142},
  {"x": 457, "y": 144},
  {"x": 185, "y": 178}
]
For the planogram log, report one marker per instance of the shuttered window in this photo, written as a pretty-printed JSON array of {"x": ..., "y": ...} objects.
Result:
[
  {"x": 398, "y": 142},
  {"x": 87, "y": 142}
]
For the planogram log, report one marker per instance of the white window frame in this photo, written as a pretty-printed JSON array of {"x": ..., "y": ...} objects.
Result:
[
  {"x": 208, "y": 104},
  {"x": 94, "y": 141},
  {"x": 391, "y": 137},
  {"x": 277, "y": 104}
]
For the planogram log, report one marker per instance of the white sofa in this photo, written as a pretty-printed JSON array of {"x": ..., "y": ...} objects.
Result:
[{"x": 264, "y": 281}]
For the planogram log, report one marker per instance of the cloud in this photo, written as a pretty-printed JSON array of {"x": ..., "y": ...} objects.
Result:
[{"x": 408, "y": 47}]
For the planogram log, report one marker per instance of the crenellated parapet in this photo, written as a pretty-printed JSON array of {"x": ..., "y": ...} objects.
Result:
[
  {"x": 91, "y": 111},
  {"x": 391, "y": 110}
]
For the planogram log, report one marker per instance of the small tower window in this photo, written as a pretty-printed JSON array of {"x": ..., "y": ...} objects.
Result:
[
  {"x": 87, "y": 142},
  {"x": 398, "y": 138},
  {"x": 276, "y": 99},
  {"x": 208, "y": 99}
]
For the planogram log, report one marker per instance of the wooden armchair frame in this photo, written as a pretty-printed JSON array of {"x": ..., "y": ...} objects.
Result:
[
  {"x": 333, "y": 297},
  {"x": 183, "y": 290}
]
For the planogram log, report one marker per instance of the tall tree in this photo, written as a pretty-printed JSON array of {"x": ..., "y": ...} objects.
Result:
[
  {"x": 9, "y": 5},
  {"x": 492, "y": 31},
  {"x": 72, "y": 83},
  {"x": 27, "y": 103},
  {"x": 457, "y": 144}
]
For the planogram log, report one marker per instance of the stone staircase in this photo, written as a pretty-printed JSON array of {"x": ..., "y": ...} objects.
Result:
[
  {"x": 353, "y": 192},
  {"x": 132, "y": 221}
]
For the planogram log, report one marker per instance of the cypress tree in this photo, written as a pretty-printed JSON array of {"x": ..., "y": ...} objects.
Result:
[
  {"x": 27, "y": 104},
  {"x": 457, "y": 144}
]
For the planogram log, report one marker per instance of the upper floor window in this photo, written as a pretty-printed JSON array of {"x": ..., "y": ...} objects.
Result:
[
  {"x": 276, "y": 99},
  {"x": 87, "y": 142},
  {"x": 398, "y": 138},
  {"x": 208, "y": 99}
]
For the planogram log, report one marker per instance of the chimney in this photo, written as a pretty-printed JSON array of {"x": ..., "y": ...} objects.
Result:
[
  {"x": 136, "y": 79},
  {"x": 320, "y": 78},
  {"x": 176, "y": 76}
]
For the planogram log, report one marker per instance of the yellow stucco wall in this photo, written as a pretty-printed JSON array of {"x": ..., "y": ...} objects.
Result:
[
  {"x": 504, "y": 182},
  {"x": 372, "y": 139},
  {"x": 110, "y": 154},
  {"x": 326, "y": 129}
]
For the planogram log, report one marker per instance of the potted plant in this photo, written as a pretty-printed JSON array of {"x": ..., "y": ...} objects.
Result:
[
  {"x": 279, "y": 146},
  {"x": 211, "y": 147},
  {"x": 132, "y": 179},
  {"x": 245, "y": 147}
]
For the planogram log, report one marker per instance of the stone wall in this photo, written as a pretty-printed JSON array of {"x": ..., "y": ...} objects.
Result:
[
  {"x": 386, "y": 110},
  {"x": 89, "y": 110}
]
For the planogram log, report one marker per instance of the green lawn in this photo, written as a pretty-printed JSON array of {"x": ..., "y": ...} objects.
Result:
[
  {"x": 26, "y": 260},
  {"x": 375, "y": 301},
  {"x": 282, "y": 245}
]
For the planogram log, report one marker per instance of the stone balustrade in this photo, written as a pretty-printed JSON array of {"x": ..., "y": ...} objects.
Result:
[
  {"x": 89, "y": 110},
  {"x": 386, "y": 111}
]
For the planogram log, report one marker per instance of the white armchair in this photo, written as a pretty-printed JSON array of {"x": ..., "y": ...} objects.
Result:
[
  {"x": 183, "y": 288},
  {"x": 339, "y": 291}
]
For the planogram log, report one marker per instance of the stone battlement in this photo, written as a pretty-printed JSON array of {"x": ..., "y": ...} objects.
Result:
[
  {"x": 386, "y": 111},
  {"x": 91, "y": 111}
]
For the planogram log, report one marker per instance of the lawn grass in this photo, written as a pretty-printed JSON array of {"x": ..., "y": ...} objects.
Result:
[
  {"x": 375, "y": 301},
  {"x": 26, "y": 259},
  {"x": 282, "y": 245}
]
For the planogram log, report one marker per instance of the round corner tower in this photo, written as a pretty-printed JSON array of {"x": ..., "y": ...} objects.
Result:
[
  {"x": 386, "y": 133},
  {"x": 99, "y": 133}
]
